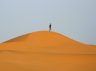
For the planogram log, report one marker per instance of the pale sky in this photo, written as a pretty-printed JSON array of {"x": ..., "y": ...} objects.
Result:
[{"x": 73, "y": 18}]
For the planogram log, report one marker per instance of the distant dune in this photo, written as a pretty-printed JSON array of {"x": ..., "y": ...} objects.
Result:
[
  {"x": 44, "y": 41},
  {"x": 46, "y": 51}
]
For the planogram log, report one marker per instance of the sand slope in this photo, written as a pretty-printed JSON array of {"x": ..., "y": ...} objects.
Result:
[
  {"x": 46, "y": 51},
  {"x": 44, "y": 41}
]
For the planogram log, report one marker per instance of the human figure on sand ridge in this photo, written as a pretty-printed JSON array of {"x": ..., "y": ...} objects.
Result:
[{"x": 50, "y": 28}]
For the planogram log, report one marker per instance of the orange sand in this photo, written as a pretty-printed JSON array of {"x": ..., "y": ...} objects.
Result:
[{"x": 46, "y": 51}]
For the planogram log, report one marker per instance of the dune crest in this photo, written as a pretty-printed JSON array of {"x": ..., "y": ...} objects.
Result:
[{"x": 45, "y": 41}]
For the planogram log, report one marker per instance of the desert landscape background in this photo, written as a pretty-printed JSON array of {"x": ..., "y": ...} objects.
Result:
[{"x": 46, "y": 51}]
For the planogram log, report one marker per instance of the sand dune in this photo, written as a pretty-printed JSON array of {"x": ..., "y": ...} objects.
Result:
[
  {"x": 44, "y": 41},
  {"x": 46, "y": 51}
]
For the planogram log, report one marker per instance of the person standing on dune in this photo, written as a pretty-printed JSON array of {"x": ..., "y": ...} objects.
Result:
[{"x": 50, "y": 28}]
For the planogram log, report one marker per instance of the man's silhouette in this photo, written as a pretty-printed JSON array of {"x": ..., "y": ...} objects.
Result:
[{"x": 50, "y": 28}]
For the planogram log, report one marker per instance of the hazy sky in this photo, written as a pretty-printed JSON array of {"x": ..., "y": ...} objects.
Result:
[{"x": 73, "y": 18}]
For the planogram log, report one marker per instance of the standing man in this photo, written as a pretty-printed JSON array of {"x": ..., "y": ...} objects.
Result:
[{"x": 50, "y": 28}]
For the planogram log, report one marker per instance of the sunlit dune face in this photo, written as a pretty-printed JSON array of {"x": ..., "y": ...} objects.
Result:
[
  {"x": 46, "y": 51},
  {"x": 48, "y": 41},
  {"x": 43, "y": 38}
]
